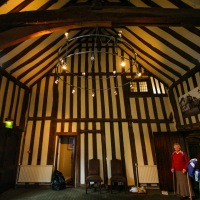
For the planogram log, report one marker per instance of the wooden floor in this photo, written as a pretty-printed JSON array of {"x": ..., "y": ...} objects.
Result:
[{"x": 41, "y": 193}]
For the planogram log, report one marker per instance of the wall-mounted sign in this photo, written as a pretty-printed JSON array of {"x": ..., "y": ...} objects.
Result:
[{"x": 8, "y": 124}]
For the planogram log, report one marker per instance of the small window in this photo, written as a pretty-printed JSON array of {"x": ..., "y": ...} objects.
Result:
[
  {"x": 138, "y": 86},
  {"x": 147, "y": 86},
  {"x": 158, "y": 87}
]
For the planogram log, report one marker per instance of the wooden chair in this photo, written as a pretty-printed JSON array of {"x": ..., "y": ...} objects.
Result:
[
  {"x": 93, "y": 174},
  {"x": 117, "y": 173}
]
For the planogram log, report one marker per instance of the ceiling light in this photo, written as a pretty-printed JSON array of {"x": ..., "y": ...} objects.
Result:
[
  {"x": 139, "y": 74},
  {"x": 73, "y": 91},
  {"x": 123, "y": 63},
  {"x": 97, "y": 44}
]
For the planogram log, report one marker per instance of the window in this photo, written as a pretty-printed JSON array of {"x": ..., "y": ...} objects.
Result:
[
  {"x": 148, "y": 86},
  {"x": 139, "y": 86},
  {"x": 158, "y": 87}
]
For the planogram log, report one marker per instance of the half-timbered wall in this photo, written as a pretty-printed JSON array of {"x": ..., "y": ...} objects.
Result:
[
  {"x": 13, "y": 101},
  {"x": 185, "y": 85},
  {"x": 106, "y": 126}
]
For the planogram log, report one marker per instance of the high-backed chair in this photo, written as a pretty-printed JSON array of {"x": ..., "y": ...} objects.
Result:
[
  {"x": 93, "y": 174},
  {"x": 117, "y": 173}
]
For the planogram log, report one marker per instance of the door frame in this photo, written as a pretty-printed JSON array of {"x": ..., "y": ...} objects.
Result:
[{"x": 74, "y": 153}]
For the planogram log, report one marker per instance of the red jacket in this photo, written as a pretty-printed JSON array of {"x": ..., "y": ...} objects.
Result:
[{"x": 180, "y": 161}]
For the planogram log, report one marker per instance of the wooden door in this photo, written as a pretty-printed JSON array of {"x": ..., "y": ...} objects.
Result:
[
  {"x": 9, "y": 153},
  {"x": 164, "y": 142}
]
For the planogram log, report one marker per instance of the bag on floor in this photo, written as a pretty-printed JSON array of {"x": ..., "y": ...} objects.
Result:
[{"x": 58, "y": 181}]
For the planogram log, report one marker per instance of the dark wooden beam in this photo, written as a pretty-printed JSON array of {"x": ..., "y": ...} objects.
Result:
[
  {"x": 18, "y": 27},
  {"x": 13, "y": 79}
]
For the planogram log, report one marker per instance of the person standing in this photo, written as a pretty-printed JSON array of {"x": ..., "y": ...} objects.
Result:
[{"x": 179, "y": 167}]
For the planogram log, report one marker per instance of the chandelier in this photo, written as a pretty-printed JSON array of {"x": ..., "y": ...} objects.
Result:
[{"x": 97, "y": 40}]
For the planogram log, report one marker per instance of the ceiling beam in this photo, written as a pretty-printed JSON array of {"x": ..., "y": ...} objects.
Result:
[{"x": 18, "y": 27}]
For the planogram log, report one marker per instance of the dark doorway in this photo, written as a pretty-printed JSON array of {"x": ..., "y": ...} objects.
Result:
[
  {"x": 193, "y": 144},
  {"x": 193, "y": 148},
  {"x": 164, "y": 142},
  {"x": 189, "y": 141}
]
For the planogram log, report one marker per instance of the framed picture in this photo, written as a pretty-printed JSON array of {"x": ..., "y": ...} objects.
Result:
[
  {"x": 70, "y": 143},
  {"x": 190, "y": 103}
]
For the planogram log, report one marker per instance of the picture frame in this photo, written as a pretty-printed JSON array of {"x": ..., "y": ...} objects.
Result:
[
  {"x": 190, "y": 103},
  {"x": 70, "y": 143}
]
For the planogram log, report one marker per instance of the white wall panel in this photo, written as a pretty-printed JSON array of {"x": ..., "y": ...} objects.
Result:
[
  {"x": 27, "y": 143},
  {"x": 15, "y": 107},
  {"x": 83, "y": 113},
  {"x": 138, "y": 145},
  {"x": 45, "y": 142},
  {"x": 148, "y": 144},
  {"x": 58, "y": 127},
  {"x": 90, "y": 126},
  {"x": 74, "y": 127},
  {"x": 90, "y": 99},
  {"x": 154, "y": 127},
  {"x": 133, "y": 108},
  {"x": 60, "y": 98},
  {"x": 99, "y": 104},
  {"x": 82, "y": 159},
  {"x": 50, "y": 96},
  {"x": 177, "y": 103},
  {"x": 185, "y": 87},
  {"x": 179, "y": 90},
  {"x": 68, "y": 103},
  {"x": 99, "y": 154},
  {"x": 158, "y": 107},
  {"x": 41, "y": 98},
  {"x": 173, "y": 127},
  {"x": 127, "y": 155},
  {"x": 108, "y": 149},
  {"x": 82, "y": 126},
  {"x": 106, "y": 104},
  {"x": 117, "y": 141},
  {"x": 113, "y": 96},
  {"x": 150, "y": 108},
  {"x": 187, "y": 121},
  {"x": 90, "y": 146},
  {"x": 66, "y": 127},
  {"x": 36, "y": 143},
  {"x": 168, "y": 107},
  {"x": 193, "y": 119},
  {"x": 74, "y": 99},
  {"x": 142, "y": 110},
  {"x": 19, "y": 107},
  {"x": 121, "y": 98},
  {"x": 191, "y": 84},
  {"x": 163, "y": 127}
]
